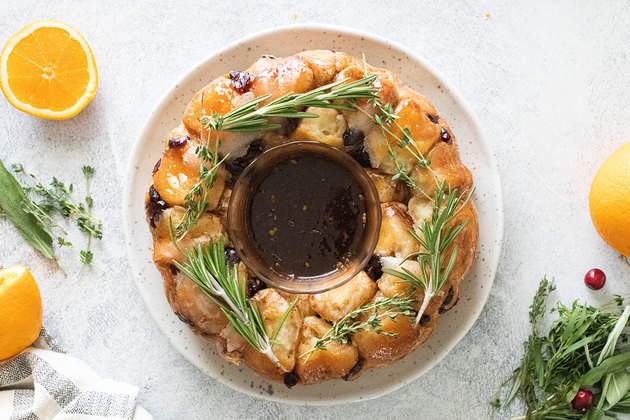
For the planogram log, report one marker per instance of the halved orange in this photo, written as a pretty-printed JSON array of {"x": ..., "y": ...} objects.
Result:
[
  {"x": 47, "y": 70},
  {"x": 20, "y": 310}
]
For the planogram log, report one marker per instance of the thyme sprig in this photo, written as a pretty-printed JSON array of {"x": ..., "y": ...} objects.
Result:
[
  {"x": 386, "y": 117},
  {"x": 196, "y": 200},
  {"x": 585, "y": 347},
  {"x": 435, "y": 236},
  {"x": 58, "y": 198},
  {"x": 208, "y": 268},
  {"x": 353, "y": 322}
]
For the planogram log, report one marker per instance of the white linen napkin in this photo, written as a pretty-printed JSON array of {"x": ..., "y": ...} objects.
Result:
[{"x": 42, "y": 383}]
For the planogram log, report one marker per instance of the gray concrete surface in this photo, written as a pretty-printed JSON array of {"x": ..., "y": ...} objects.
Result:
[{"x": 548, "y": 81}]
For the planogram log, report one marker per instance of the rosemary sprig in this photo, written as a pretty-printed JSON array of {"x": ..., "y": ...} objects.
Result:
[
  {"x": 585, "y": 347},
  {"x": 350, "y": 324},
  {"x": 252, "y": 117},
  {"x": 207, "y": 267},
  {"x": 434, "y": 236},
  {"x": 283, "y": 319}
]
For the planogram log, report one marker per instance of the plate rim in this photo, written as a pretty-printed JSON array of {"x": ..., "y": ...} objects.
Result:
[{"x": 163, "y": 103}]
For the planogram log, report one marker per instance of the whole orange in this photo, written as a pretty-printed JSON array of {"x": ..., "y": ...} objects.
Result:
[
  {"x": 20, "y": 310},
  {"x": 609, "y": 200}
]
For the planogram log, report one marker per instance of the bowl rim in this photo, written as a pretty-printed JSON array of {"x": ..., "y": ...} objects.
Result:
[
  {"x": 239, "y": 204},
  {"x": 162, "y": 104}
]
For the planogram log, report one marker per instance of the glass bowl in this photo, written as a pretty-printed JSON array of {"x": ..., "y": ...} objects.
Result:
[{"x": 238, "y": 218}]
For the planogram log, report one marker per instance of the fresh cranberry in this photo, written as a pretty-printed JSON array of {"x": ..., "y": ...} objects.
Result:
[
  {"x": 583, "y": 400},
  {"x": 595, "y": 279}
]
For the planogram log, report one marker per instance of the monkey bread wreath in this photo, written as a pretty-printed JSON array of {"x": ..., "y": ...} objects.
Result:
[{"x": 403, "y": 208}]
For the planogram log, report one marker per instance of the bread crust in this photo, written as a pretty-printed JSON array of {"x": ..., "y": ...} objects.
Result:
[{"x": 402, "y": 209}]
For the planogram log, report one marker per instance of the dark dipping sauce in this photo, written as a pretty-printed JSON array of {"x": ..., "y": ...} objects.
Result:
[{"x": 307, "y": 216}]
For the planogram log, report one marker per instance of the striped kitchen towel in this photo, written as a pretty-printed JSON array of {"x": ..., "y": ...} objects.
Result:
[{"x": 42, "y": 383}]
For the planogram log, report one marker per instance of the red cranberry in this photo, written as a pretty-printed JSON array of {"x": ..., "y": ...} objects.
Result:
[
  {"x": 444, "y": 135},
  {"x": 353, "y": 138},
  {"x": 178, "y": 142},
  {"x": 583, "y": 400},
  {"x": 156, "y": 167},
  {"x": 595, "y": 279},
  {"x": 433, "y": 118},
  {"x": 241, "y": 80},
  {"x": 374, "y": 267}
]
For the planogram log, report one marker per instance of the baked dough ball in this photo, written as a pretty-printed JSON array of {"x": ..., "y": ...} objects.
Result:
[
  {"x": 387, "y": 189},
  {"x": 165, "y": 252},
  {"x": 334, "y": 362},
  {"x": 394, "y": 238},
  {"x": 273, "y": 307},
  {"x": 193, "y": 307},
  {"x": 328, "y": 128},
  {"x": 380, "y": 349},
  {"x": 339, "y": 302}
]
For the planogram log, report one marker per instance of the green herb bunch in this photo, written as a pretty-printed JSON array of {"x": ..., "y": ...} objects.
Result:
[
  {"x": 42, "y": 204},
  {"x": 585, "y": 348},
  {"x": 58, "y": 198}
]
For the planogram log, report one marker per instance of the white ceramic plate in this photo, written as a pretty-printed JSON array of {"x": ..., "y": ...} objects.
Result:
[{"x": 416, "y": 73}]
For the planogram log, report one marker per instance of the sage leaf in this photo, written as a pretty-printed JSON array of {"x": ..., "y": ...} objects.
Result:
[
  {"x": 14, "y": 204},
  {"x": 618, "y": 387},
  {"x": 595, "y": 414},
  {"x": 611, "y": 343},
  {"x": 610, "y": 365}
]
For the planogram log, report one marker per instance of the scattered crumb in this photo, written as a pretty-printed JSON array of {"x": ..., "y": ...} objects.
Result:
[
  {"x": 487, "y": 15},
  {"x": 295, "y": 17}
]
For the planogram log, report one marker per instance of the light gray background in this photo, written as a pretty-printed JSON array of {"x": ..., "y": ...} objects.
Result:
[{"x": 549, "y": 83}]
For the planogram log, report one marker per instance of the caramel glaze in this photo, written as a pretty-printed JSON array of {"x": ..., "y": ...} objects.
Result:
[{"x": 307, "y": 216}]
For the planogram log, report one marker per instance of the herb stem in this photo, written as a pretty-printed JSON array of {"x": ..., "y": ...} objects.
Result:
[
  {"x": 206, "y": 266},
  {"x": 341, "y": 330},
  {"x": 250, "y": 117}
]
